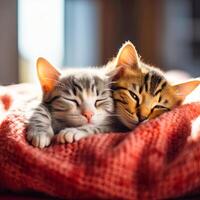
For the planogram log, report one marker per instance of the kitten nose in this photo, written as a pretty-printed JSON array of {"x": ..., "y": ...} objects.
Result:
[{"x": 88, "y": 114}]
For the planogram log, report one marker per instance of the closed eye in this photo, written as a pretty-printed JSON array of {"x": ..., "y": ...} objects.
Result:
[
  {"x": 160, "y": 107},
  {"x": 98, "y": 102},
  {"x": 72, "y": 100}
]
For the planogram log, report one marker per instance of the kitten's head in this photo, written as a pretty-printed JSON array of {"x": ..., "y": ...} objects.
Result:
[
  {"x": 141, "y": 92},
  {"x": 76, "y": 98}
]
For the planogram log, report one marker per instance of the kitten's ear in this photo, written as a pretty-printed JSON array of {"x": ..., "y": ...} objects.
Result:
[
  {"x": 184, "y": 89},
  {"x": 47, "y": 75},
  {"x": 127, "y": 56}
]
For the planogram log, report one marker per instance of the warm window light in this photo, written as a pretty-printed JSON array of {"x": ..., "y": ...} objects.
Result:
[{"x": 41, "y": 30}]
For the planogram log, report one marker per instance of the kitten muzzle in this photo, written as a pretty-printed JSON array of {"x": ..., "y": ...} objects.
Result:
[{"x": 88, "y": 115}]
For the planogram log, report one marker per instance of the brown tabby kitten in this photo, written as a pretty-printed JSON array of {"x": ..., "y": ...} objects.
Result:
[{"x": 141, "y": 92}]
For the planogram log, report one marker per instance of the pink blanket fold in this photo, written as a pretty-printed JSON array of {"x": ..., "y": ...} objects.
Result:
[{"x": 160, "y": 159}]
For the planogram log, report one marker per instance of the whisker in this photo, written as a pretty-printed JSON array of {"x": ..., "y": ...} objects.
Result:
[
  {"x": 110, "y": 83},
  {"x": 109, "y": 89},
  {"x": 108, "y": 114}
]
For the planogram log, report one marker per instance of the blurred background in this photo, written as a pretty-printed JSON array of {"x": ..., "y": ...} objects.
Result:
[{"x": 82, "y": 33}]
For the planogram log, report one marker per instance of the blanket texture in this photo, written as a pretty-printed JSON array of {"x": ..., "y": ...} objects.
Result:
[{"x": 160, "y": 159}]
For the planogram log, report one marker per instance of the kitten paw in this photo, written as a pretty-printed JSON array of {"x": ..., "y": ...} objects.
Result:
[
  {"x": 40, "y": 139},
  {"x": 70, "y": 135}
]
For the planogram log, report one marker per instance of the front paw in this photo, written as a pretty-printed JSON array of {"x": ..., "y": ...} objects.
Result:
[
  {"x": 40, "y": 138},
  {"x": 69, "y": 135}
]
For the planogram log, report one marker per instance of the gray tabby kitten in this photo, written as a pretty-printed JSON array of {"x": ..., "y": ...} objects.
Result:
[{"x": 75, "y": 105}]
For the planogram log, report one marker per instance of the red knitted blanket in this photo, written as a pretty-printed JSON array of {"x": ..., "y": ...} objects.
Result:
[{"x": 160, "y": 159}]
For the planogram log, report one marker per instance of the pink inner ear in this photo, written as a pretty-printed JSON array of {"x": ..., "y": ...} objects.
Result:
[
  {"x": 47, "y": 74},
  {"x": 127, "y": 55},
  {"x": 186, "y": 88},
  {"x": 118, "y": 73},
  {"x": 49, "y": 79}
]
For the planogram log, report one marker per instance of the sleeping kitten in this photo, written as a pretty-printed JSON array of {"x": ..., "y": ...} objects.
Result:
[
  {"x": 141, "y": 92},
  {"x": 75, "y": 104}
]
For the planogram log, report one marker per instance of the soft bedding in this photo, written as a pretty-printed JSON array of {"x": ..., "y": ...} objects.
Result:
[{"x": 160, "y": 159}]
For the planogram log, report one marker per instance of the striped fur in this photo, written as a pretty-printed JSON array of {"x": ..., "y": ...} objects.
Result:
[
  {"x": 61, "y": 110},
  {"x": 141, "y": 92}
]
